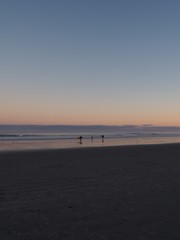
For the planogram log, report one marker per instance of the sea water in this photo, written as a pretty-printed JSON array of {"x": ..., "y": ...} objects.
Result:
[{"x": 21, "y": 137}]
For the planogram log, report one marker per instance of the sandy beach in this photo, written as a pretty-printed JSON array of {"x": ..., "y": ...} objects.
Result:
[{"x": 127, "y": 192}]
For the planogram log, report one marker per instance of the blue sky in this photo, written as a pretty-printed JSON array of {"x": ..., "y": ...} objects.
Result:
[{"x": 90, "y": 62}]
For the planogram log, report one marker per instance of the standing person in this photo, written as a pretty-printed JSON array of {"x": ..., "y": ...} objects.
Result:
[
  {"x": 80, "y": 139},
  {"x": 102, "y": 138},
  {"x": 91, "y": 138}
]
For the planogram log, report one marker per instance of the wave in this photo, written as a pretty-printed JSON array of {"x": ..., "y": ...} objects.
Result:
[{"x": 72, "y": 136}]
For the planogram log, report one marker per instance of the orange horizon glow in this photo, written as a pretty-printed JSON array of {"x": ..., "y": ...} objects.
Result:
[
  {"x": 42, "y": 115},
  {"x": 88, "y": 121}
]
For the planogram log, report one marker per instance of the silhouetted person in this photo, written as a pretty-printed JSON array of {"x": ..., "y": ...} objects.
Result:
[
  {"x": 80, "y": 139},
  {"x": 92, "y": 138},
  {"x": 102, "y": 138}
]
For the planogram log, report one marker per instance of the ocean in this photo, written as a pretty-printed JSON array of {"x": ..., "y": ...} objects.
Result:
[{"x": 22, "y": 137}]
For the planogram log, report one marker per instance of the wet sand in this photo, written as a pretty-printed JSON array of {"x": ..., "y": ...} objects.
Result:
[{"x": 129, "y": 192}]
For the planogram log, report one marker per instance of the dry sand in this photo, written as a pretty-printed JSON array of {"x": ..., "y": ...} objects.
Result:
[{"x": 130, "y": 192}]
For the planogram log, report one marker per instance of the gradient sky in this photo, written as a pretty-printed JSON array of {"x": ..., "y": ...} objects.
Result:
[{"x": 90, "y": 62}]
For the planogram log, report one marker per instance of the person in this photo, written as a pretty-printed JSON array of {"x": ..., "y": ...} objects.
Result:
[
  {"x": 80, "y": 139},
  {"x": 102, "y": 138},
  {"x": 91, "y": 138}
]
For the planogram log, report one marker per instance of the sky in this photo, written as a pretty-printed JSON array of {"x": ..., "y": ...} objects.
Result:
[{"x": 111, "y": 62}]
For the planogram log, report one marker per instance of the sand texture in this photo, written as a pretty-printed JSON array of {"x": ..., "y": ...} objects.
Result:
[{"x": 130, "y": 192}]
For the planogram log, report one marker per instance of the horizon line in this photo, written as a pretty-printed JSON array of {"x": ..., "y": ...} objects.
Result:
[{"x": 93, "y": 125}]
